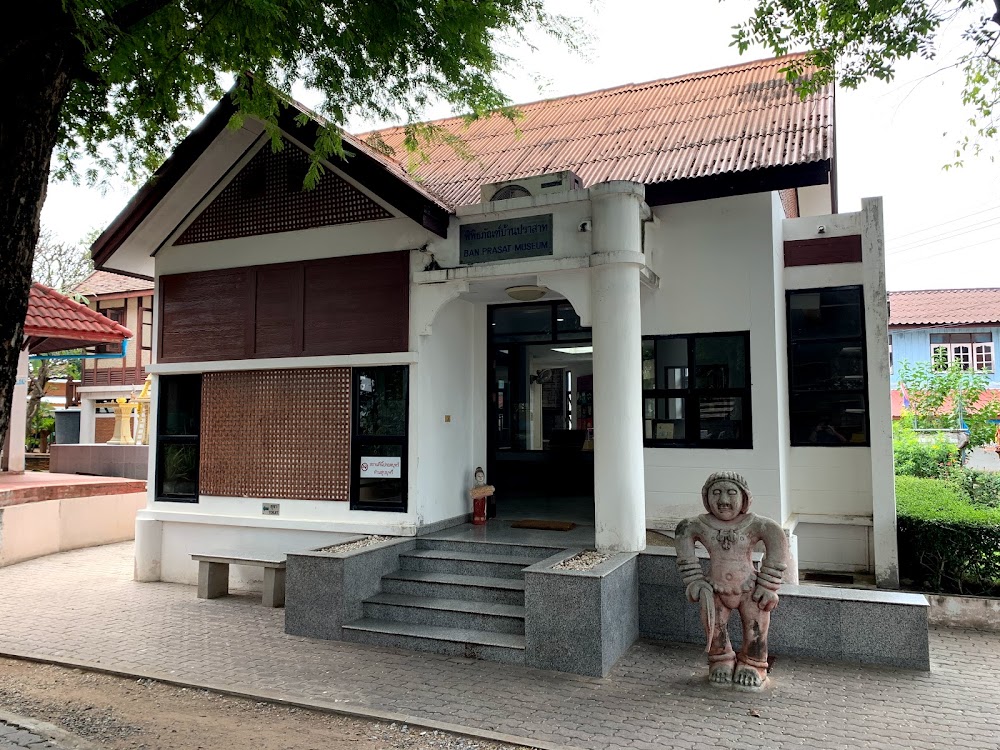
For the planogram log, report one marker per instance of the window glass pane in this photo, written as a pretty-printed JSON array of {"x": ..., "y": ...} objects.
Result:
[
  {"x": 380, "y": 475},
  {"x": 827, "y": 366},
  {"x": 181, "y": 409},
  {"x": 568, "y": 326},
  {"x": 664, "y": 418},
  {"x": 178, "y": 470},
  {"x": 982, "y": 338},
  {"x": 939, "y": 338},
  {"x": 381, "y": 394},
  {"x": 672, "y": 363},
  {"x": 824, "y": 313},
  {"x": 522, "y": 322},
  {"x": 720, "y": 362},
  {"x": 721, "y": 418},
  {"x": 648, "y": 364},
  {"x": 828, "y": 419}
]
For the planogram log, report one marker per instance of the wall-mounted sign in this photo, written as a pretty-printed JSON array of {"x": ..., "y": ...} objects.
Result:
[
  {"x": 381, "y": 467},
  {"x": 270, "y": 509},
  {"x": 510, "y": 239}
]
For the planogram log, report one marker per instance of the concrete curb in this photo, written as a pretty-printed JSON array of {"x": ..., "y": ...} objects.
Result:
[
  {"x": 66, "y": 740},
  {"x": 270, "y": 697}
]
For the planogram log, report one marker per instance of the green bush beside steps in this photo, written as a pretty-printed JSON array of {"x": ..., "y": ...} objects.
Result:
[{"x": 947, "y": 542}]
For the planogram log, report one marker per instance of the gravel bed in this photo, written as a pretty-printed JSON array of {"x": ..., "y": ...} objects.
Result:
[
  {"x": 367, "y": 541},
  {"x": 586, "y": 560}
]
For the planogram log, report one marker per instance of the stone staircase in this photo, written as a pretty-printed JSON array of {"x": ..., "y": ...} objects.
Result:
[{"x": 452, "y": 597}]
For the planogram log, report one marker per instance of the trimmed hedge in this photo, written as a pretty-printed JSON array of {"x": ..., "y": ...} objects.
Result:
[
  {"x": 946, "y": 543},
  {"x": 916, "y": 459}
]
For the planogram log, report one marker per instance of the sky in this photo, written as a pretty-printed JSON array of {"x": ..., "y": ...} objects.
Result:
[{"x": 893, "y": 139}]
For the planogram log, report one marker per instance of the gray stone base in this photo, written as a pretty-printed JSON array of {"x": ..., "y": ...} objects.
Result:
[
  {"x": 821, "y": 622},
  {"x": 324, "y": 590},
  {"x": 100, "y": 459},
  {"x": 580, "y": 621}
]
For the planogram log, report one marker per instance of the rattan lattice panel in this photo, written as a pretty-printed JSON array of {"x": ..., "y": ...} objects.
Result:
[
  {"x": 277, "y": 434},
  {"x": 267, "y": 197}
]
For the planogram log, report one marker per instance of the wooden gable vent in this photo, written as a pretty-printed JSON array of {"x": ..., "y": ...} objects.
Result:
[{"x": 267, "y": 196}]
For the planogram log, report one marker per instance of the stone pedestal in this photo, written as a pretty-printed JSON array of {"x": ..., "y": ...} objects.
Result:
[{"x": 123, "y": 422}]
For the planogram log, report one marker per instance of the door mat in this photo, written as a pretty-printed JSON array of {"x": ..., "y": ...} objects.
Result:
[{"x": 534, "y": 523}]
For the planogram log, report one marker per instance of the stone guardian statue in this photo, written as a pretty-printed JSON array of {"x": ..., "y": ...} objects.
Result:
[{"x": 729, "y": 531}]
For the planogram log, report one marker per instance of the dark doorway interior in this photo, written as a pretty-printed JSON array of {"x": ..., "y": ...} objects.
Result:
[{"x": 541, "y": 411}]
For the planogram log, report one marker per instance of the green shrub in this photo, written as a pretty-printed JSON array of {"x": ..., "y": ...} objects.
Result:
[
  {"x": 980, "y": 487},
  {"x": 946, "y": 543},
  {"x": 916, "y": 459}
]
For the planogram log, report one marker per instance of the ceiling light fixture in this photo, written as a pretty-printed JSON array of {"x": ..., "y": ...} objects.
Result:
[
  {"x": 526, "y": 292},
  {"x": 574, "y": 349}
]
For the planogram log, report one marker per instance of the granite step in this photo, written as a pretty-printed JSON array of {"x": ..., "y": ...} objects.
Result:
[
  {"x": 507, "y": 648},
  {"x": 448, "y": 613},
  {"x": 465, "y": 563},
  {"x": 492, "y": 548},
  {"x": 453, "y": 586}
]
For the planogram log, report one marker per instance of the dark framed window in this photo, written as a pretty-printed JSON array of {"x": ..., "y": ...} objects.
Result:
[
  {"x": 696, "y": 391},
  {"x": 117, "y": 314},
  {"x": 379, "y": 427},
  {"x": 827, "y": 366},
  {"x": 178, "y": 438}
]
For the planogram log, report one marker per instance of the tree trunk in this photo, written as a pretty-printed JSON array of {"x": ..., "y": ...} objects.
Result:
[{"x": 39, "y": 81}]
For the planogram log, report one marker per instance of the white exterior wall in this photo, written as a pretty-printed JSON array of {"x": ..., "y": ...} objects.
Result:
[
  {"x": 715, "y": 260},
  {"x": 443, "y": 397}
]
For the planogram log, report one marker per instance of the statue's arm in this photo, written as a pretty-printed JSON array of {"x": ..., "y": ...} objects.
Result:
[
  {"x": 773, "y": 566},
  {"x": 687, "y": 560}
]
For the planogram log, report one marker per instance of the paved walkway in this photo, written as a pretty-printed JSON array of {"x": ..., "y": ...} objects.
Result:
[{"x": 83, "y": 607}]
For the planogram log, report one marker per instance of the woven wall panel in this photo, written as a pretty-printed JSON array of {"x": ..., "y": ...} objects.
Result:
[
  {"x": 267, "y": 197},
  {"x": 277, "y": 434}
]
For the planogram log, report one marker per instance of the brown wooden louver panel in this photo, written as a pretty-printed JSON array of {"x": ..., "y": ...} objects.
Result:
[
  {"x": 823, "y": 250},
  {"x": 276, "y": 434},
  {"x": 267, "y": 196},
  {"x": 357, "y": 304}
]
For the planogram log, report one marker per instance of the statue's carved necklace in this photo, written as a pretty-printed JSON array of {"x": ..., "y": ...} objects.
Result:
[{"x": 727, "y": 538}]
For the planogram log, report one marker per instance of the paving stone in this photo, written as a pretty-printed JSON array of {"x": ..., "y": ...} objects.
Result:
[{"x": 83, "y": 606}]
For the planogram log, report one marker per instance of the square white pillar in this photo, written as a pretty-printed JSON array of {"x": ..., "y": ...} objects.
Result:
[{"x": 13, "y": 446}]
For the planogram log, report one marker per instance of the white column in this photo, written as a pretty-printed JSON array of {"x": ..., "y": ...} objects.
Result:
[
  {"x": 619, "y": 484},
  {"x": 148, "y": 548},
  {"x": 88, "y": 420},
  {"x": 879, "y": 405},
  {"x": 13, "y": 445}
]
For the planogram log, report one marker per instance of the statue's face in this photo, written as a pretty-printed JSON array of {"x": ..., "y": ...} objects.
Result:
[
  {"x": 480, "y": 477},
  {"x": 725, "y": 500}
]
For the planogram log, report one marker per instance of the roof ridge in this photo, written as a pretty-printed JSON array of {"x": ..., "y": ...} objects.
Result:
[{"x": 596, "y": 93}]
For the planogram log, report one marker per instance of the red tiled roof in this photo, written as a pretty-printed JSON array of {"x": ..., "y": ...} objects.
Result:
[
  {"x": 945, "y": 307},
  {"x": 733, "y": 119},
  {"x": 105, "y": 282},
  {"x": 988, "y": 396},
  {"x": 55, "y": 322}
]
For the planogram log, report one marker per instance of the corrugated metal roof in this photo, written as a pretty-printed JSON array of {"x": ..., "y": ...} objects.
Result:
[
  {"x": 945, "y": 307},
  {"x": 105, "y": 282},
  {"x": 55, "y": 322},
  {"x": 732, "y": 119}
]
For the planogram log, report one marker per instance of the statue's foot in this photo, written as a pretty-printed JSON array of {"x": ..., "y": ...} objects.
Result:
[
  {"x": 747, "y": 677},
  {"x": 721, "y": 673}
]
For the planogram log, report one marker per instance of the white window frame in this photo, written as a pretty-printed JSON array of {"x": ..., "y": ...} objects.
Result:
[{"x": 974, "y": 356}]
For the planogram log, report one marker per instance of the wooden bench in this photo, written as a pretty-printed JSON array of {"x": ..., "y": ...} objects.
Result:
[{"x": 213, "y": 574}]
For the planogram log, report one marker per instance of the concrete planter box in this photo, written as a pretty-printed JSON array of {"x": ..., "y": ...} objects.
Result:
[
  {"x": 324, "y": 590},
  {"x": 821, "y": 622},
  {"x": 975, "y": 612},
  {"x": 580, "y": 621}
]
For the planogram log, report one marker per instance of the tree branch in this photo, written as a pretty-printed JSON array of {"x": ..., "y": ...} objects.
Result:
[{"x": 129, "y": 16}]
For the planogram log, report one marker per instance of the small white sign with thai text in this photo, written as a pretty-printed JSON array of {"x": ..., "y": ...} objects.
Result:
[{"x": 381, "y": 467}]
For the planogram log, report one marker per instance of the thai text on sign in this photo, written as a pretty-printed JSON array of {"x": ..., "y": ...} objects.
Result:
[
  {"x": 381, "y": 467},
  {"x": 510, "y": 239}
]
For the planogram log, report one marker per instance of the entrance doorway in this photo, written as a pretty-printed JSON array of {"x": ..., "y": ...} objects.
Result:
[{"x": 541, "y": 412}]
